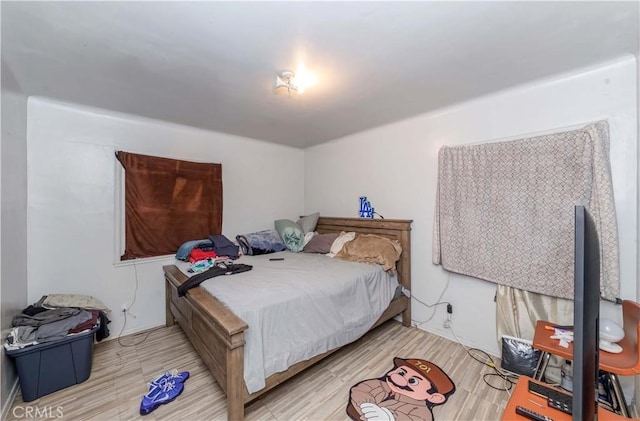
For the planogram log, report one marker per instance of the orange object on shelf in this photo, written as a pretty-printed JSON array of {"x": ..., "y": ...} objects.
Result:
[{"x": 520, "y": 396}]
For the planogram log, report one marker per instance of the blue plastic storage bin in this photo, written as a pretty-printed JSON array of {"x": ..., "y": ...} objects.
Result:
[{"x": 48, "y": 367}]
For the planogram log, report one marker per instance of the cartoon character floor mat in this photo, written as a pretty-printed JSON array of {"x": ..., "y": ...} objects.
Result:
[{"x": 409, "y": 390}]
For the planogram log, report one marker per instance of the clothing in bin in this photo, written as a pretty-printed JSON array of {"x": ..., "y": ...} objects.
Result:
[
  {"x": 47, "y": 321},
  {"x": 51, "y": 343}
]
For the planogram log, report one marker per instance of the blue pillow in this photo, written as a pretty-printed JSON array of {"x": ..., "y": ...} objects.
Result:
[
  {"x": 261, "y": 242},
  {"x": 291, "y": 234}
]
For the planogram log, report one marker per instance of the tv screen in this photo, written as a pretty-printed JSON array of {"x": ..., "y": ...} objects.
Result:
[{"x": 585, "y": 316}]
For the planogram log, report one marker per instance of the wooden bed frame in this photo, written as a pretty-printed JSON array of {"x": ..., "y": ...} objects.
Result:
[{"x": 218, "y": 335}]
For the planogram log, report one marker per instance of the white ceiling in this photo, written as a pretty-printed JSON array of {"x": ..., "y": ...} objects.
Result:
[{"x": 211, "y": 64}]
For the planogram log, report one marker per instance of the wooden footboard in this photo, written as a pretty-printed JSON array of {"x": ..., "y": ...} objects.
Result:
[{"x": 218, "y": 335}]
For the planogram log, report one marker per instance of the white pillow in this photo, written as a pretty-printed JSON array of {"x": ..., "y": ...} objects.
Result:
[
  {"x": 308, "y": 236},
  {"x": 339, "y": 242}
]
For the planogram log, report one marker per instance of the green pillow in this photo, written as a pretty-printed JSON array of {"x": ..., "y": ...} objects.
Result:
[{"x": 291, "y": 234}]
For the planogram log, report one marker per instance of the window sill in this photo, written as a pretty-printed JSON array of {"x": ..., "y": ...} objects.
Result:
[{"x": 132, "y": 262}]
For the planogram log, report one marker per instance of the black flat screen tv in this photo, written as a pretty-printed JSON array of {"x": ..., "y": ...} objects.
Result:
[{"x": 586, "y": 314}]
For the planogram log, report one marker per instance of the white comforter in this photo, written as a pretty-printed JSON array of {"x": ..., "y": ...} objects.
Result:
[{"x": 300, "y": 307}]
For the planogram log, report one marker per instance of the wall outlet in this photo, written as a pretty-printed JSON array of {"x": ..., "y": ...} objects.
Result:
[
  {"x": 124, "y": 309},
  {"x": 446, "y": 323}
]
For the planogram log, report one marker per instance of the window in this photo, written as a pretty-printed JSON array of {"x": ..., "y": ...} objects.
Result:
[{"x": 168, "y": 202}]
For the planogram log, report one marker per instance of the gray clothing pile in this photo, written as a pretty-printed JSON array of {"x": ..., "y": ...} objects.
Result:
[{"x": 47, "y": 326}]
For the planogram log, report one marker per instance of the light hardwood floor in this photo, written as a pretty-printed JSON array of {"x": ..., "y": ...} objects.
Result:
[{"x": 120, "y": 377}]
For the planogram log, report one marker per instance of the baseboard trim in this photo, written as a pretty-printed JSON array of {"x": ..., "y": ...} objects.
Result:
[
  {"x": 466, "y": 343},
  {"x": 10, "y": 400},
  {"x": 135, "y": 331}
]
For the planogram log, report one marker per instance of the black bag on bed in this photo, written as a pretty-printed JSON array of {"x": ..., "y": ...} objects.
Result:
[{"x": 217, "y": 270}]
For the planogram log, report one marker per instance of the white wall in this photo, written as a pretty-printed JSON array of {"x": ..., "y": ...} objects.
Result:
[
  {"x": 71, "y": 199},
  {"x": 13, "y": 223},
  {"x": 71, "y": 187},
  {"x": 395, "y": 166}
]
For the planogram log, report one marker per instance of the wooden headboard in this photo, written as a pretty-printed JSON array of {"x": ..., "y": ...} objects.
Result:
[{"x": 396, "y": 229}]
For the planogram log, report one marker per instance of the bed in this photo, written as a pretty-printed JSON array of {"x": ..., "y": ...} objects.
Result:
[{"x": 219, "y": 335}]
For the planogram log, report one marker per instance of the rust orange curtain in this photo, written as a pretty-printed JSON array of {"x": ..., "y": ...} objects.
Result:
[{"x": 168, "y": 202}]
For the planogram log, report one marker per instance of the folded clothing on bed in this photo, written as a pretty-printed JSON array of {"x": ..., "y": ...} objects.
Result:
[
  {"x": 185, "y": 249},
  {"x": 261, "y": 242},
  {"x": 198, "y": 254},
  {"x": 224, "y": 247}
]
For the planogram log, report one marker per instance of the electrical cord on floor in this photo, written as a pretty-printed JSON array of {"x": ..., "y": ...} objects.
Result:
[
  {"x": 434, "y": 305},
  {"x": 507, "y": 379},
  {"x": 122, "y": 330}
]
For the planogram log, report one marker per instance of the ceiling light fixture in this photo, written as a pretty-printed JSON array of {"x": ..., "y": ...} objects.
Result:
[{"x": 286, "y": 79}]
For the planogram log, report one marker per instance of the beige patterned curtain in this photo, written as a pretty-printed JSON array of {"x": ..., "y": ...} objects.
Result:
[
  {"x": 505, "y": 211},
  {"x": 517, "y": 311}
]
